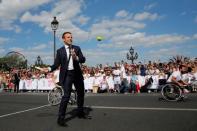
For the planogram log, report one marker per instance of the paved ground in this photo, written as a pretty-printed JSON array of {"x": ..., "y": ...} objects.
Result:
[{"x": 110, "y": 112}]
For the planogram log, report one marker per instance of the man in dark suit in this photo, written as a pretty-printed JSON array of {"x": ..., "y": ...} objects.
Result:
[
  {"x": 69, "y": 57},
  {"x": 16, "y": 81}
]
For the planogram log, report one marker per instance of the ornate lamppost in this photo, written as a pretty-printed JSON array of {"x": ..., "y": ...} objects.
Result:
[
  {"x": 38, "y": 61},
  {"x": 54, "y": 26},
  {"x": 132, "y": 56}
]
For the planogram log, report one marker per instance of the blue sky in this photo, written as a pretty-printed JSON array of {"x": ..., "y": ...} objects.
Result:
[{"x": 156, "y": 29}]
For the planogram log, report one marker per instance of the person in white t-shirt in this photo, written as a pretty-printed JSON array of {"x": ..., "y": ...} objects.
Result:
[
  {"x": 103, "y": 85},
  {"x": 110, "y": 81},
  {"x": 124, "y": 82},
  {"x": 176, "y": 77},
  {"x": 117, "y": 80},
  {"x": 194, "y": 82}
]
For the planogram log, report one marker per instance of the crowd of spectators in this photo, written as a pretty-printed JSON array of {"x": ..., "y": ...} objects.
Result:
[
  {"x": 15, "y": 80},
  {"x": 126, "y": 78},
  {"x": 121, "y": 77}
]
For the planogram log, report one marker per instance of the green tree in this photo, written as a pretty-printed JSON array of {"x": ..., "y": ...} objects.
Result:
[{"x": 13, "y": 60}]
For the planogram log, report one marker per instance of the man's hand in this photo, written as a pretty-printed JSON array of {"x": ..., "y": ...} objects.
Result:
[
  {"x": 45, "y": 69},
  {"x": 75, "y": 57}
]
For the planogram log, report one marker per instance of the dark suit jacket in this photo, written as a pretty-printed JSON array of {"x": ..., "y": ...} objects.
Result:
[{"x": 62, "y": 61}]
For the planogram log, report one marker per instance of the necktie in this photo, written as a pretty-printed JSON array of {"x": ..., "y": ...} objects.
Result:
[{"x": 69, "y": 48}]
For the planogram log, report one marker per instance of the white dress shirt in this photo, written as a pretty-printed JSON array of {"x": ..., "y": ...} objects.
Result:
[{"x": 70, "y": 64}]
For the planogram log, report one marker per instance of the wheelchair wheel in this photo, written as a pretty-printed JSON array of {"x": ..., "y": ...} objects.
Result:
[
  {"x": 171, "y": 92},
  {"x": 73, "y": 98},
  {"x": 55, "y": 95}
]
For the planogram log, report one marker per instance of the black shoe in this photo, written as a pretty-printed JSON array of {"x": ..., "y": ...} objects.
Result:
[{"x": 61, "y": 122}]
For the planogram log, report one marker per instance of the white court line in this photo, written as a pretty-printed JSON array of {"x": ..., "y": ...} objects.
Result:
[
  {"x": 140, "y": 108},
  {"x": 18, "y": 112},
  {"x": 144, "y": 108},
  {"x": 109, "y": 107}
]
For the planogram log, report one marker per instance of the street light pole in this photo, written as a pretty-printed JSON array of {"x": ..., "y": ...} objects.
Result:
[
  {"x": 54, "y": 45},
  {"x": 54, "y": 26},
  {"x": 131, "y": 56}
]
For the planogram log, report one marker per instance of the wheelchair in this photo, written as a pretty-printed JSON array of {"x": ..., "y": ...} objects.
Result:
[
  {"x": 171, "y": 92},
  {"x": 55, "y": 96}
]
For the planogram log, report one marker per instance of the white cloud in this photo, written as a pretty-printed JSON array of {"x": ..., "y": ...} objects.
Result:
[
  {"x": 39, "y": 47},
  {"x": 162, "y": 39},
  {"x": 110, "y": 28},
  {"x": 17, "y": 29},
  {"x": 17, "y": 49},
  {"x": 2, "y": 51},
  {"x": 183, "y": 13},
  {"x": 32, "y": 53},
  {"x": 122, "y": 13},
  {"x": 195, "y": 20},
  {"x": 10, "y": 10},
  {"x": 146, "y": 16},
  {"x": 168, "y": 53},
  {"x": 43, "y": 19},
  {"x": 141, "y": 39},
  {"x": 65, "y": 18},
  {"x": 8, "y": 25},
  {"x": 31, "y": 56},
  {"x": 3, "y": 40},
  {"x": 195, "y": 36},
  {"x": 150, "y": 6},
  {"x": 99, "y": 56},
  {"x": 82, "y": 20}
]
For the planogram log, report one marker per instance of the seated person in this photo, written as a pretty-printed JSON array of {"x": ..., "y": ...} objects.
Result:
[
  {"x": 117, "y": 80},
  {"x": 103, "y": 85},
  {"x": 134, "y": 82},
  {"x": 124, "y": 86},
  {"x": 176, "y": 77}
]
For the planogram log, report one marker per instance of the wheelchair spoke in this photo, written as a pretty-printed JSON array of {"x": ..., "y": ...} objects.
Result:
[
  {"x": 55, "y": 96},
  {"x": 171, "y": 92}
]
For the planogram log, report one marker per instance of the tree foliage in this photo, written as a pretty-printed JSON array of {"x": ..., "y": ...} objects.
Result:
[{"x": 13, "y": 60}]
